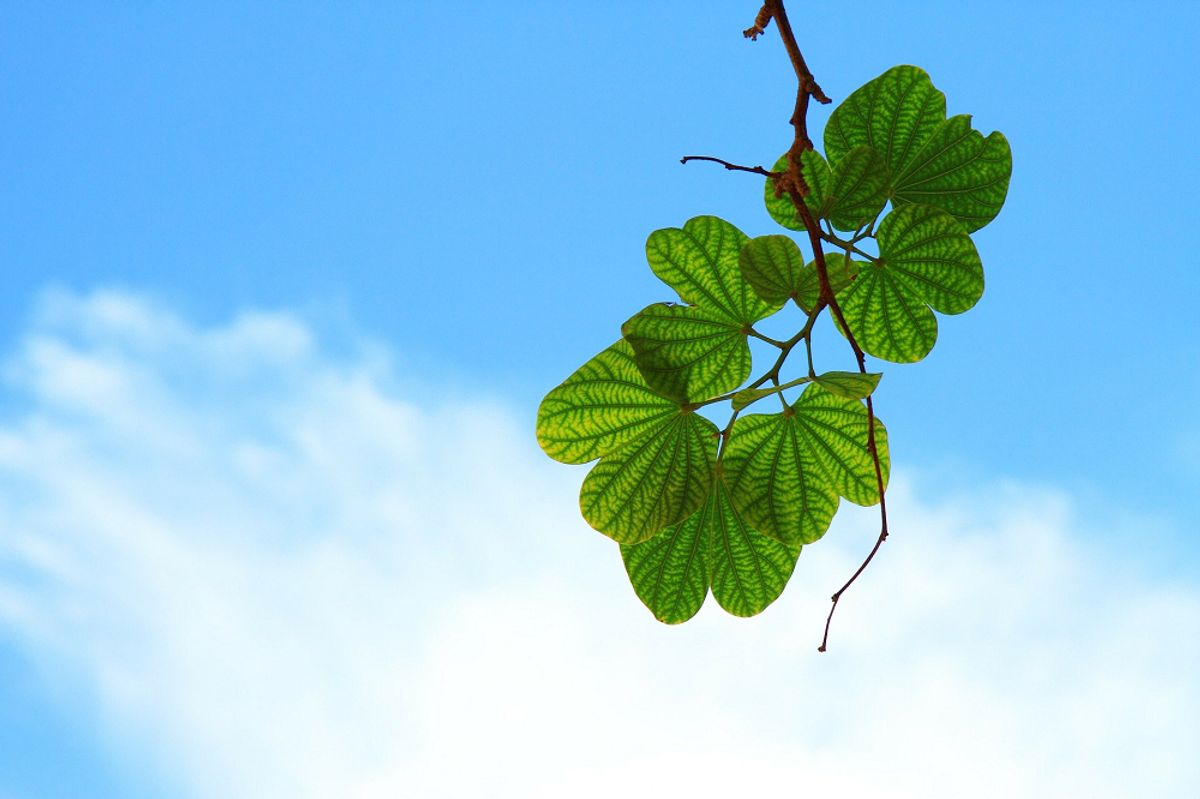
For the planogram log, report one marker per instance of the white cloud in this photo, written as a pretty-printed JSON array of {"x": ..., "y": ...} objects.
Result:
[{"x": 279, "y": 573}]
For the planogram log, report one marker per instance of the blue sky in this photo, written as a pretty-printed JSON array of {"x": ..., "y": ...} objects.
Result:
[{"x": 234, "y": 219}]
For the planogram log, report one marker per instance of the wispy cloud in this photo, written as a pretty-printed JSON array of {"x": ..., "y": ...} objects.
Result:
[{"x": 280, "y": 572}]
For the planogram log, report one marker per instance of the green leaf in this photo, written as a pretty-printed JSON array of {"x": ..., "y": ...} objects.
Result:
[
  {"x": 656, "y": 480},
  {"x": 959, "y": 171},
  {"x": 931, "y": 159},
  {"x": 748, "y": 396},
  {"x": 670, "y": 572},
  {"x": 888, "y": 320},
  {"x": 751, "y": 395},
  {"x": 819, "y": 179},
  {"x": 928, "y": 249},
  {"x": 687, "y": 353},
  {"x": 600, "y": 407},
  {"x": 851, "y": 385},
  {"x": 841, "y": 271},
  {"x": 860, "y": 188},
  {"x": 776, "y": 480},
  {"x": 896, "y": 113},
  {"x": 925, "y": 259},
  {"x": 772, "y": 265},
  {"x": 696, "y": 352},
  {"x": 785, "y": 471},
  {"x": 700, "y": 261},
  {"x": 749, "y": 570},
  {"x": 834, "y": 430},
  {"x": 850, "y": 195}
]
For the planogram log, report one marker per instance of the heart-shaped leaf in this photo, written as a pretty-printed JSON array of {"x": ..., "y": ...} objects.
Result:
[
  {"x": 671, "y": 573},
  {"x": 930, "y": 159}
]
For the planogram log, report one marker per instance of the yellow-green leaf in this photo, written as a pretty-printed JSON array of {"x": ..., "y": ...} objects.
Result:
[
  {"x": 655, "y": 480},
  {"x": 688, "y": 353},
  {"x": 603, "y": 405}
]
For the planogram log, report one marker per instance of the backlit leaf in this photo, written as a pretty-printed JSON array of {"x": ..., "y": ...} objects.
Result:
[
  {"x": 925, "y": 259},
  {"x": 859, "y": 190},
  {"x": 834, "y": 430},
  {"x": 655, "y": 480},
  {"x": 748, "y": 396},
  {"x": 819, "y": 178},
  {"x": 928, "y": 249},
  {"x": 851, "y": 385},
  {"x": 776, "y": 480},
  {"x": 700, "y": 261},
  {"x": 749, "y": 570},
  {"x": 688, "y": 353},
  {"x": 930, "y": 159},
  {"x": 896, "y": 113},
  {"x": 772, "y": 265},
  {"x": 600, "y": 407},
  {"x": 670, "y": 572},
  {"x": 888, "y": 320},
  {"x": 841, "y": 271},
  {"x": 959, "y": 171}
]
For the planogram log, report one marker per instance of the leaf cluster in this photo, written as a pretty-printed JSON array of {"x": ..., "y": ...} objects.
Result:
[{"x": 698, "y": 508}]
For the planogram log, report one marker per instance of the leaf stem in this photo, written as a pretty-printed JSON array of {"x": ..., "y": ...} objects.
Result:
[
  {"x": 848, "y": 246},
  {"x": 773, "y": 342}
]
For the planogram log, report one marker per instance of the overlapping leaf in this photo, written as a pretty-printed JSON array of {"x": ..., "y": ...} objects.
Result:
[
  {"x": 819, "y": 178},
  {"x": 849, "y": 195},
  {"x": 700, "y": 261},
  {"x": 659, "y": 478},
  {"x": 925, "y": 260},
  {"x": 672, "y": 572},
  {"x": 600, "y": 407},
  {"x": 930, "y": 159},
  {"x": 959, "y": 171},
  {"x": 934, "y": 256},
  {"x": 850, "y": 385},
  {"x": 834, "y": 430},
  {"x": 785, "y": 471},
  {"x": 749, "y": 570},
  {"x": 689, "y": 353},
  {"x": 896, "y": 113},
  {"x": 859, "y": 188},
  {"x": 773, "y": 266},
  {"x": 698, "y": 351},
  {"x": 840, "y": 269}
]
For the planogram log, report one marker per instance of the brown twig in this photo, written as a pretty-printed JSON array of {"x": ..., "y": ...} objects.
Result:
[
  {"x": 757, "y": 170},
  {"x": 883, "y": 532},
  {"x": 793, "y": 183},
  {"x": 760, "y": 23}
]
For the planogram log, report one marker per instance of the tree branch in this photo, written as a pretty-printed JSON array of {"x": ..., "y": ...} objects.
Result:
[{"x": 794, "y": 184}]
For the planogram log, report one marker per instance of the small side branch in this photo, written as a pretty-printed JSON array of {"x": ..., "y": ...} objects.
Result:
[{"x": 757, "y": 170}]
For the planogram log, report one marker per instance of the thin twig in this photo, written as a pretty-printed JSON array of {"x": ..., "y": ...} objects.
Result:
[
  {"x": 758, "y": 170},
  {"x": 883, "y": 532}
]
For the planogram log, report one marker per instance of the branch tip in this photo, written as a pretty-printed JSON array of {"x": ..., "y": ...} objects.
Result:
[{"x": 761, "y": 21}]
